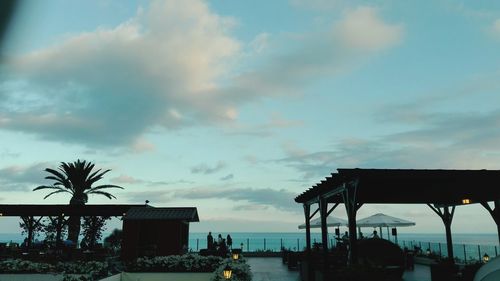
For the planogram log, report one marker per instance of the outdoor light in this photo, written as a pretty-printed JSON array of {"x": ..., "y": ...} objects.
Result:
[
  {"x": 62, "y": 215},
  {"x": 486, "y": 258},
  {"x": 227, "y": 272},
  {"x": 1, "y": 214},
  {"x": 466, "y": 201},
  {"x": 428, "y": 252},
  {"x": 236, "y": 254}
]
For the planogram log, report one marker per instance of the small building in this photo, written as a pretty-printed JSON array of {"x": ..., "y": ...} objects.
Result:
[{"x": 150, "y": 231}]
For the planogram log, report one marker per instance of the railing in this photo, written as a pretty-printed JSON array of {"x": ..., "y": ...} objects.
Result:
[
  {"x": 261, "y": 244},
  {"x": 465, "y": 253}
]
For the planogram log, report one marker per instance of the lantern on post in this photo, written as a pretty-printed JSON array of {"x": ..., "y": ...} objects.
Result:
[
  {"x": 466, "y": 201},
  {"x": 236, "y": 254},
  {"x": 486, "y": 258},
  {"x": 228, "y": 272}
]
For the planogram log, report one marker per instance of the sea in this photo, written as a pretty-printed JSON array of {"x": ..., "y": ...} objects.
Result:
[{"x": 466, "y": 246}]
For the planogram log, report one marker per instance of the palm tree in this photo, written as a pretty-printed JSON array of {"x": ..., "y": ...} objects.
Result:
[{"x": 76, "y": 179}]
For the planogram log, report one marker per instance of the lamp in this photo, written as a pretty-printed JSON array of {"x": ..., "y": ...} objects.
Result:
[
  {"x": 486, "y": 258},
  {"x": 227, "y": 272},
  {"x": 466, "y": 201},
  {"x": 236, "y": 254},
  {"x": 428, "y": 252}
]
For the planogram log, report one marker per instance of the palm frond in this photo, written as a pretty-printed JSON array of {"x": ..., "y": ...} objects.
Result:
[
  {"x": 60, "y": 176},
  {"x": 104, "y": 187},
  {"x": 45, "y": 187},
  {"x": 54, "y": 192},
  {"x": 109, "y": 195}
]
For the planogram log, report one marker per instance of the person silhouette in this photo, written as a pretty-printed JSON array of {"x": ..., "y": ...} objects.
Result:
[
  {"x": 229, "y": 241},
  {"x": 210, "y": 241},
  {"x": 375, "y": 235}
]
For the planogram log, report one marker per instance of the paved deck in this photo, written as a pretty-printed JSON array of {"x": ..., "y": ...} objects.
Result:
[{"x": 267, "y": 269}]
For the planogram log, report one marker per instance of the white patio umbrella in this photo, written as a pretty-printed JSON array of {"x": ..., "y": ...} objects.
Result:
[
  {"x": 381, "y": 220},
  {"x": 330, "y": 221}
]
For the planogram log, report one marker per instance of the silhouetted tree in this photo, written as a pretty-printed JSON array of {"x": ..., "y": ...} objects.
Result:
[
  {"x": 92, "y": 230},
  {"x": 31, "y": 226},
  {"x": 76, "y": 179},
  {"x": 114, "y": 240},
  {"x": 55, "y": 228}
]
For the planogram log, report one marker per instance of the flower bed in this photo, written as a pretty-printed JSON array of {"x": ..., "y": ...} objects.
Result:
[
  {"x": 193, "y": 263},
  {"x": 71, "y": 271},
  {"x": 240, "y": 271},
  {"x": 185, "y": 263}
]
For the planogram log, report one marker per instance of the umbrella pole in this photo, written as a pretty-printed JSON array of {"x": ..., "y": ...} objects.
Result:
[
  {"x": 388, "y": 235},
  {"x": 380, "y": 231}
]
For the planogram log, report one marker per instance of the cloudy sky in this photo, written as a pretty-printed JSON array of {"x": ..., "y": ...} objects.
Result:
[{"x": 236, "y": 107}]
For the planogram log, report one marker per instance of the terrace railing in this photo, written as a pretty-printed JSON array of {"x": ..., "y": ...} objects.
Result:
[{"x": 464, "y": 253}]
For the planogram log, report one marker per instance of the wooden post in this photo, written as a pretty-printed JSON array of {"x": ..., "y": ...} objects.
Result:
[
  {"x": 495, "y": 214},
  {"x": 352, "y": 206},
  {"x": 307, "y": 215},
  {"x": 447, "y": 217},
  {"x": 323, "y": 209}
]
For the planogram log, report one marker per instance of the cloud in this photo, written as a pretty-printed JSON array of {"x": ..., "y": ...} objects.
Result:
[
  {"x": 206, "y": 169},
  {"x": 23, "y": 178},
  {"x": 318, "y": 5},
  {"x": 228, "y": 177},
  {"x": 125, "y": 179},
  {"x": 267, "y": 129},
  {"x": 155, "y": 70},
  {"x": 280, "y": 199},
  {"x": 174, "y": 64},
  {"x": 495, "y": 28},
  {"x": 260, "y": 42},
  {"x": 363, "y": 29}
]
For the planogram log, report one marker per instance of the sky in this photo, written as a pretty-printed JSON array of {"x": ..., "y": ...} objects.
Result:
[{"x": 236, "y": 107}]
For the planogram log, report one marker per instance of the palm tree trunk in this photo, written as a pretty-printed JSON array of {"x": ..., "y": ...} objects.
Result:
[
  {"x": 74, "y": 229},
  {"x": 74, "y": 222}
]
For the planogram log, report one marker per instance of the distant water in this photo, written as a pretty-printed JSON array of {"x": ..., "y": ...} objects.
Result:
[{"x": 465, "y": 245}]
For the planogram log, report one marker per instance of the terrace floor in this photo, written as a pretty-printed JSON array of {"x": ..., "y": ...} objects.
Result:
[{"x": 267, "y": 269}]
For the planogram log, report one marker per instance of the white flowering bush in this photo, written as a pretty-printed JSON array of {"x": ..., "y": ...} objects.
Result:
[
  {"x": 78, "y": 277},
  {"x": 23, "y": 266},
  {"x": 72, "y": 271},
  {"x": 175, "y": 263},
  {"x": 240, "y": 271}
]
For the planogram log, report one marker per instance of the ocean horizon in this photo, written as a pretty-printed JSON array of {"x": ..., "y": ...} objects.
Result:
[
  {"x": 458, "y": 238},
  {"x": 466, "y": 245}
]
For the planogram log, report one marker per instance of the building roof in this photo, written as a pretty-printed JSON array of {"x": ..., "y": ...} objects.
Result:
[
  {"x": 189, "y": 214},
  {"x": 408, "y": 186},
  {"x": 67, "y": 210}
]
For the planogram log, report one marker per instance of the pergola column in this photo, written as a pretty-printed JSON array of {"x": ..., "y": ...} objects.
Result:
[
  {"x": 323, "y": 211},
  {"x": 352, "y": 207},
  {"x": 495, "y": 214},
  {"x": 447, "y": 216},
  {"x": 307, "y": 214}
]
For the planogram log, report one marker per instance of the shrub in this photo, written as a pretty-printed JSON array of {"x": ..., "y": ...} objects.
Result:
[{"x": 175, "y": 263}]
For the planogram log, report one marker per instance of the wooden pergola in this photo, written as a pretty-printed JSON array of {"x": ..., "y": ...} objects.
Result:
[{"x": 441, "y": 190}]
